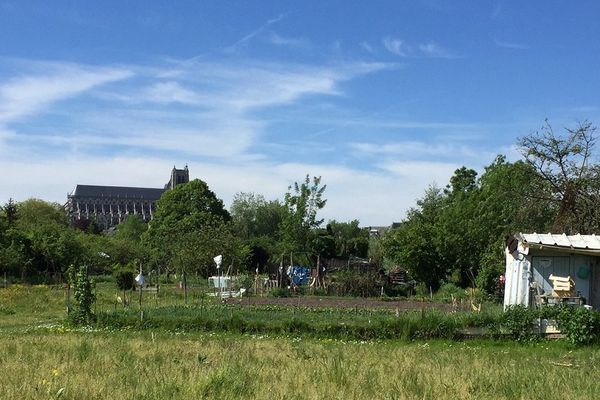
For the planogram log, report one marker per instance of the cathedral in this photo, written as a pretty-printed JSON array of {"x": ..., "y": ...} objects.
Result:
[{"x": 110, "y": 205}]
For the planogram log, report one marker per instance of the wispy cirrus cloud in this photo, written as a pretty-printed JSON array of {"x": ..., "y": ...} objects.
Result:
[
  {"x": 511, "y": 45},
  {"x": 279, "y": 40},
  {"x": 30, "y": 93},
  {"x": 258, "y": 31},
  {"x": 397, "y": 46},
  {"x": 434, "y": 50},
  {"x": 191, "y": 107},
  {"x": 401, "y": 48},
  {"x": 416, "y": 150}
]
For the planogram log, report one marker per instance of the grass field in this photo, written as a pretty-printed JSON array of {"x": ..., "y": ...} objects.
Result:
[{"x": 42, "y": 359}]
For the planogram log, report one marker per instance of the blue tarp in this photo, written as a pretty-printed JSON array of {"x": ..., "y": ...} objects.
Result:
[{"x": 299, "y": 275}]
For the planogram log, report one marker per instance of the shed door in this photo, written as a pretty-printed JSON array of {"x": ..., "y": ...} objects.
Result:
[{"x": 543, "y": 267}]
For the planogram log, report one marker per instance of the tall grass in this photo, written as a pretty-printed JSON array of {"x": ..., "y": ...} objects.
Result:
[
  {"x": 147, "y": 365},
  {"x": 334, "y": 323}
]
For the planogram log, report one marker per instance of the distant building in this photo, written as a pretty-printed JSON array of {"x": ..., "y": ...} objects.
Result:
[
  {"x": 110, "y": 205},
  {"x": 382, "y": 230}
]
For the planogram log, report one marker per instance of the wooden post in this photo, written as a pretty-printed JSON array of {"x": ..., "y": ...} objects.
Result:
[
  {"x": 68, "y": 298},
  {"x": 318, "y": 271},
  {"x": 184, "y": 287}
]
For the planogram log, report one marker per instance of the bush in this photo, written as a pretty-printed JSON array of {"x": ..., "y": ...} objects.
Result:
[
  {"x": 357, "y": 284},
  {"x": 84, "y": 297},
  {"x": 519, "y": 322},
  {"x": 581, "y": 326},
  {"x": 125, "y": 280},
  {"x": 447, "y": 290},
  {"x": 488, "y": 279}
]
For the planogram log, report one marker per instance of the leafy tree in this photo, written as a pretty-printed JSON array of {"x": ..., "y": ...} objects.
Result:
[
  {"x": 189, "y": 228},
  {"x": 303, "y": 201},
  {"x": 453, "y": 234},
  {"x": 39, "y": 241},
  {"x": 253, "y": 216},
  {"x": 256, "y": 222},
  {"x": 10, "y": 212},
  {"x": 565, "y": 163},
  {"x": 350, "y": 239},
  {"x": 414, "y": 245}
]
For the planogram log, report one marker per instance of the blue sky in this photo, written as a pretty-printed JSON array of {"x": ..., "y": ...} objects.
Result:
[{"x": 380, "y": 98}]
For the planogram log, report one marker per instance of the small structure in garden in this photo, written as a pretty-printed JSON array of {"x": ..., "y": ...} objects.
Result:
[{"x": 543, "y": 269}]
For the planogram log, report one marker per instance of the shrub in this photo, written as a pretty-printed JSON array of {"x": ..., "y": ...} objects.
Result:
[
  {"x": 125, "y": 280},
  {"x": 488, "y": 279},
  {"x": 84, "y": 297},
  {"x": 357, "y": 284},
  {"x": 447, "y": 290},
  {"x": 519, "y": 322},
  {"x": 581, "y": 326}
]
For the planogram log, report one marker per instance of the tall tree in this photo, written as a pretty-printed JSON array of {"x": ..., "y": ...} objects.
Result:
[
  {"x": 256, "y": 222},
  {"x": 190, "y": 227},
  {"x": 303, "y": 201},
  {"x": 565, "y": 162},
  {"x": 350, "y": 239}
]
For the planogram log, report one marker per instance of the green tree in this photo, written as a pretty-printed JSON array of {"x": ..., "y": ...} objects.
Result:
[
  {"x": 350, "y": 239},
  {"x": 189, "y": 228},
  {"x": 303, "y": 201},
  {"x": 415, "y": 244},
  {"x": 565, "y": 163},
  {"x": 42, "y": 241}
]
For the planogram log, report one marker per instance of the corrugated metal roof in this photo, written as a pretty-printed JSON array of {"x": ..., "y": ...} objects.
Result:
[
  {"x": 584, "y": 242},
  {"x": 117, "y": 192}
]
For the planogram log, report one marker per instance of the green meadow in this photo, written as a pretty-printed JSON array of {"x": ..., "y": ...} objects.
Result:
[{"x": 42, "y": 358}]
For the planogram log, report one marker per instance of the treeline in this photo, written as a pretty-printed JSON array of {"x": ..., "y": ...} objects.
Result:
[
  {"x": 190, "y": 227},
  {"x": 454, "y": 234}
]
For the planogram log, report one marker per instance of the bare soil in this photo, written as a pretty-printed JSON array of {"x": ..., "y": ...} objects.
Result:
[{"x": 350, "y": 302}]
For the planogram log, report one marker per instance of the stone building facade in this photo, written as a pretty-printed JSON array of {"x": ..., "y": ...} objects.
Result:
[{"x": 110, "y": 205}]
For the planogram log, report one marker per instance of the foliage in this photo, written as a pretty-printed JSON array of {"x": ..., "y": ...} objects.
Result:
[
  {"x": 564, "y": 162},
  {"x": 190, "y": 228},
  {"x": 581, "y": 326},
  {"x": 82, "y": 313},
  {"x": 350, "y": 239},
  {"x": 303, "y": 201},
  {"x": 124, "y": 279},
  {"x": 452, "y": 234},
  {"x": 357, "y": 284},
  {"x": 253, "y": 216},
  {"x": 414, "y": 245},
  {"x": 519, "y": 322},
  {"x": 256, "y": 223}
]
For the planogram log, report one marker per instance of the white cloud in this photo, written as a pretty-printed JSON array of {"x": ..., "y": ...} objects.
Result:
[
  {"x": 247, "y": 38},
  {"x": 416, "y": 150},
  {"x": 30, "y": 94},
  {"x": 511, "y": 45},
  {"x": 434, "y": 50},
  {"x": 367, "y": 47},
  {"x": 396, "y": 46},
  {"x": 400, "y": 48},
  {"x": 373, "y": 198},
  {"x": 278, "y": 40},
  {"x": 170, "y": 92}
]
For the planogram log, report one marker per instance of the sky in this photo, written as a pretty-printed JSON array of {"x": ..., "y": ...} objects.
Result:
[{"x": 379, "y": 98}]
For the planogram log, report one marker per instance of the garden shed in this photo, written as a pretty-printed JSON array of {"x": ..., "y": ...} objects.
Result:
[{"x": 534, "y": 261}]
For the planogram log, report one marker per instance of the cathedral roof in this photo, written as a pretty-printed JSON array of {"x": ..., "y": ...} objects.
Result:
[{"x": 117, "y": 192}]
